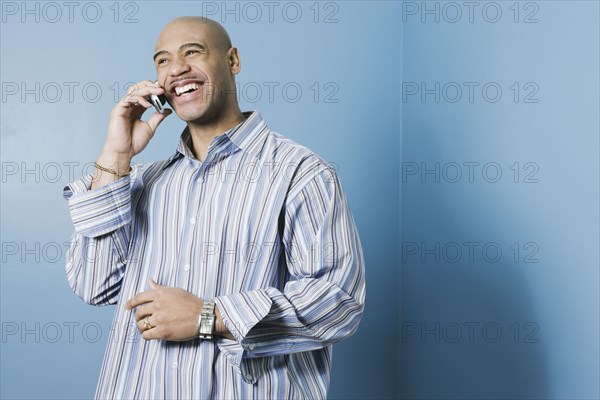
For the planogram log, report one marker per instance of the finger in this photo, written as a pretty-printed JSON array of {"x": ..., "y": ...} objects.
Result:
[
  {"x": 143, "y": 311},
  {"x": 139, "y": 102},
  {"x": 136, "y": 87},
  {"x": 142, "y": 90},
  {"x": 139, "y": 299},
  {"x": 144, "y": 102},
  {"x": 151, "y": 334},
  {"x": 142, "y": 326},
  {"x": 156, "y": 118},
  {"x": 153, "y": 285}
]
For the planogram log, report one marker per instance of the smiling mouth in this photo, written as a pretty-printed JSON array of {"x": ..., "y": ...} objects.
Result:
[{"x": 185, "y": 89}]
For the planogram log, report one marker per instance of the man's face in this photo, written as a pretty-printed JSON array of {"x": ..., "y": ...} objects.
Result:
[{"x": 193, "y": 64}]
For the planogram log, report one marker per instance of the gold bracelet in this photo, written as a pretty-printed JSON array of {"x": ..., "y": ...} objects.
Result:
[{"x": 112, "y": 171}]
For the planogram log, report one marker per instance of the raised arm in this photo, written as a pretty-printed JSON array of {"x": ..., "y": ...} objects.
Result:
[{"x": 100, "y": 203}]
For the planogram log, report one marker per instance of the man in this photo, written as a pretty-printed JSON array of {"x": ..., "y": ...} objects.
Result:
[{"x": 237, "y": 259}]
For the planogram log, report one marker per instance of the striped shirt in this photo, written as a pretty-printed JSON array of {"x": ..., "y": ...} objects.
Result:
[{"x": 263, "y": 227}]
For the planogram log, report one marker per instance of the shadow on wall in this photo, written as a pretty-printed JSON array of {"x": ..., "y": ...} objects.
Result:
[{"x": 468, "y": 326}]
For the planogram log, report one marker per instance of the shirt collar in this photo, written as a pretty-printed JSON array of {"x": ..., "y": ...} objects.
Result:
[{"x": 237, "y": 138}]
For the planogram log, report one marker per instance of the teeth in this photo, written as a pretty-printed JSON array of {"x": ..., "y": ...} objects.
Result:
[{"x": 182, "y": 89}]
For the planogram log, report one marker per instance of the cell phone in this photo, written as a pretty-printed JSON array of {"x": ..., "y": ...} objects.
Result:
[{"x": 158, "y": 101}]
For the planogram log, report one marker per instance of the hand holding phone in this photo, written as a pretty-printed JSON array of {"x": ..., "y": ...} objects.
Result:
[{"x": 158, "y": 101}]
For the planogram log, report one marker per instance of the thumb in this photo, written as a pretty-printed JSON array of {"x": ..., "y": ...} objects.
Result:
[
  {"x": 153, "y": 284},
  {"x": 156, "y": 118}
]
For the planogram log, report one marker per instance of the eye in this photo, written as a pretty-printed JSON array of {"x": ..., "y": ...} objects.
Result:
[
  {"x": 189, "y": 52},
  {"x": 162, "y": 61}
]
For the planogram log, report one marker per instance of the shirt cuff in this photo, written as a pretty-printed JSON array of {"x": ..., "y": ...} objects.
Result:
[
  {"x": 240, "y": 313},
  {"x": 99, "y": 211}
]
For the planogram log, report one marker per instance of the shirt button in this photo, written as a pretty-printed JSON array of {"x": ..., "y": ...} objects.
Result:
[
  {"x": 249, "y": 377},
  {"x": 186, "y": 267},
  {"x": 192, "y": 221},
  {"x": 251, "y": 347},
  {"x": 174, "y": 365}
]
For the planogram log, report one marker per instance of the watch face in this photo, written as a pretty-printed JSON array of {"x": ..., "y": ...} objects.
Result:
[{"x": 205, "y": 327}]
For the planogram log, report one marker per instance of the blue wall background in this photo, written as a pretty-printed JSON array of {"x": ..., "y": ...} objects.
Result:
[
  {"x": 438, "y": 323},
  {"x": 518, "y": 317}
]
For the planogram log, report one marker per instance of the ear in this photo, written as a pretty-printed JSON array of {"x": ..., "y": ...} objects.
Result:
[{"x": 233, "y": 60}]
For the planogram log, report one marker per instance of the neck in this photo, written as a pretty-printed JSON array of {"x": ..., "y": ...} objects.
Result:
[{"x": 203, "y": 134}]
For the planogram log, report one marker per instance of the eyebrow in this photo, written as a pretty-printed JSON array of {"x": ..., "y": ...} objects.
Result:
[{"x": 183, "y": 46}]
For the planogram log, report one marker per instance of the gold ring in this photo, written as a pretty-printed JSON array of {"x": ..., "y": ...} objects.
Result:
[{"x": 146, "y": 323}]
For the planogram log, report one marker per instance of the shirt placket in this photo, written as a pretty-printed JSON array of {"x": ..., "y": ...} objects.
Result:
[{"x": 183, "y": 268}]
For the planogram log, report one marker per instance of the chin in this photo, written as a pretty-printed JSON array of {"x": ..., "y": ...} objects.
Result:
[{"x": 191, "y": 115}]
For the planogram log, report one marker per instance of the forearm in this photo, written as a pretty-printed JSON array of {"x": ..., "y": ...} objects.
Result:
[
  {"x": 119, "y": 163},
  {"x": 95, "y": 267},
  {"x": 310, "y": 314},
  {"x": 98, "y": 251}
]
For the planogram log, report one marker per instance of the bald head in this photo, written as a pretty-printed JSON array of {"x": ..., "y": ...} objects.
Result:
[{"x": 212, "y": 30}]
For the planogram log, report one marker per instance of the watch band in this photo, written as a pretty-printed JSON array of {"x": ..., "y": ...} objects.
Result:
[{"x": 206, "y": 322}]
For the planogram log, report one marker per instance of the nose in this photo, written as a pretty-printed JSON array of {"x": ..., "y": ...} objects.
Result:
[{"x": 178, "y": 66}]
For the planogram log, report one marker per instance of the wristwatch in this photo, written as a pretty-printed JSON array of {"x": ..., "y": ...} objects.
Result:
[{"x": 206, "y": 322}]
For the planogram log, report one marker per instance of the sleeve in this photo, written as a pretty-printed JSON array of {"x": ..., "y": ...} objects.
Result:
[
  {"x": 97, "y": 253},
  {"x": 323, "y": 301}
]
